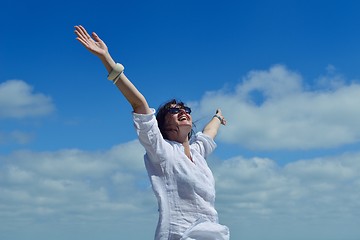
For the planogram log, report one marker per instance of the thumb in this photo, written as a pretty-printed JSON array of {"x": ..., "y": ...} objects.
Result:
[{"x": 96, "y": 37}]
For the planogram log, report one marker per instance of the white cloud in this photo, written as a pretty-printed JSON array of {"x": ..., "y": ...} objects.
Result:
[
  {"x": 17, "y": 100},
  {"x": 331, "y": 80},
  {"x": 274, "y": 83},
  {"x": 269, "y": 188},
  {"x": 70, "y": 186},
  {"x": 273, "y": 110},
  {"x": 319, "y": 195},
  {"x": 107, "y": 188},
  {"x": 62, "y": 189}
]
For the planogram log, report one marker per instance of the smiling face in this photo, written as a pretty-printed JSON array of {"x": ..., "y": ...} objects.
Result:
[
  {"x": 174, "y": 120},
  {"x": 178, "y": 122}
]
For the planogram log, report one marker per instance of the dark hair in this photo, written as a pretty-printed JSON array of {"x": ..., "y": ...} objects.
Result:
[{"x": 161, "y": 113}]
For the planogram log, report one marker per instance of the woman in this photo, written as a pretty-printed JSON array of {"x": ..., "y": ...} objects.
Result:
[{"x": 181, "y": 179}]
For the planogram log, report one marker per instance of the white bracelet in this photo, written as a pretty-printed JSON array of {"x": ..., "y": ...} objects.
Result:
[{"x": 115, "y": 72}]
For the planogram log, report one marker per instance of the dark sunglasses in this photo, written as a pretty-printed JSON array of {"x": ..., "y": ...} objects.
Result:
[{"x": 175, "y": 110}]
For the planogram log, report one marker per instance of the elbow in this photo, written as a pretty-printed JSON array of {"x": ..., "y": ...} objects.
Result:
[
  {"x": 141, "y": 107},
  {"x": 210, "y": 132}
]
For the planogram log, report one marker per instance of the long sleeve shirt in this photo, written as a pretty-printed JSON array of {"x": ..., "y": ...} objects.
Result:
[{"x": 185, "y": 190}]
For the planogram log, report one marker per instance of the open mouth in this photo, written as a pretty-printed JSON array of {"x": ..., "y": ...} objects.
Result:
[{"x": 182, "y": 118}]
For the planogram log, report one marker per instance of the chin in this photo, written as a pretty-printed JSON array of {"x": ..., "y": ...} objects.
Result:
[{"x": 185, "y": 124}]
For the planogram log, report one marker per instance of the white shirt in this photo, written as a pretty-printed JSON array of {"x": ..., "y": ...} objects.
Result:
[{"x": 185, "y": 190}]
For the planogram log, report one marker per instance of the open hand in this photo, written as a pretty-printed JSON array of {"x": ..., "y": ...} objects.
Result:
[{"x": 94, "y": 44}]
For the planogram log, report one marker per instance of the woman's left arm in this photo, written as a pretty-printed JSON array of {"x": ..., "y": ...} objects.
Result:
[{"x": 212, "y": 127}]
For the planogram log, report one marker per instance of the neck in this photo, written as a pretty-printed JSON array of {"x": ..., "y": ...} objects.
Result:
[
  {"x": 179, "y": 134},
  {"x": 184, "y": 140},
  {"x": 186, "y": 145}
]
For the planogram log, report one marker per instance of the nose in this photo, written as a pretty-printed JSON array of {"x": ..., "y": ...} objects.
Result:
[{"x": 182, "y": 111}]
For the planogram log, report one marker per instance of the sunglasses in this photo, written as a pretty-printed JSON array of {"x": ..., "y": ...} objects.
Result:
[{"x": 175, "y": 110}]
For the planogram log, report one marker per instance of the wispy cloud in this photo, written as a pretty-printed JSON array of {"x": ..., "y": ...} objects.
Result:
[{"x": 16, "y": 136}]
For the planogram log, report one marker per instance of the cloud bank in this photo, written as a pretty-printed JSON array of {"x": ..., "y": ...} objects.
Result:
[{"x": 68, "y": 187}]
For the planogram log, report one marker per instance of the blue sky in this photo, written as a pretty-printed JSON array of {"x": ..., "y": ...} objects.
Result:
[{"x": 285, "y": 74}]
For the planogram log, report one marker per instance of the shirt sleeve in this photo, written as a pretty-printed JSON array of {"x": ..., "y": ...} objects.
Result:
[
  {"x": 204, "y": 144},
  {"x": 150, "y": 136}
]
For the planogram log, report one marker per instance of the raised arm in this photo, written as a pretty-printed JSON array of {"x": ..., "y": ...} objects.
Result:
[
  {"x": 96, "y": 46},
  {"x": 212, "y": 127}
]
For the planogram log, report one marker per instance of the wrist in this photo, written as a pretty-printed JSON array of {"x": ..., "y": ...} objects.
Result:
[
  {"x": 105, "y": 57},
  {"x": 218, "y": 117},
  {"x": 108, "y": 61},
  {"x": 115, "y": 72}
]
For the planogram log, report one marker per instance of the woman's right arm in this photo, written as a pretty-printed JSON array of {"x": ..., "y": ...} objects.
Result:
[{"x": 96, "y": 46}]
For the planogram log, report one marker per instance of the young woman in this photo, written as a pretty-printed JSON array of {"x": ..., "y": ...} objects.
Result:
[{"x": 175, "y": 161}]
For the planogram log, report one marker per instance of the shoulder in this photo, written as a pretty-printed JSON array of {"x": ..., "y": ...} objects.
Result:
[
  {"x": 200, "y": 136},
  {"x": 204, "y": 144}
]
